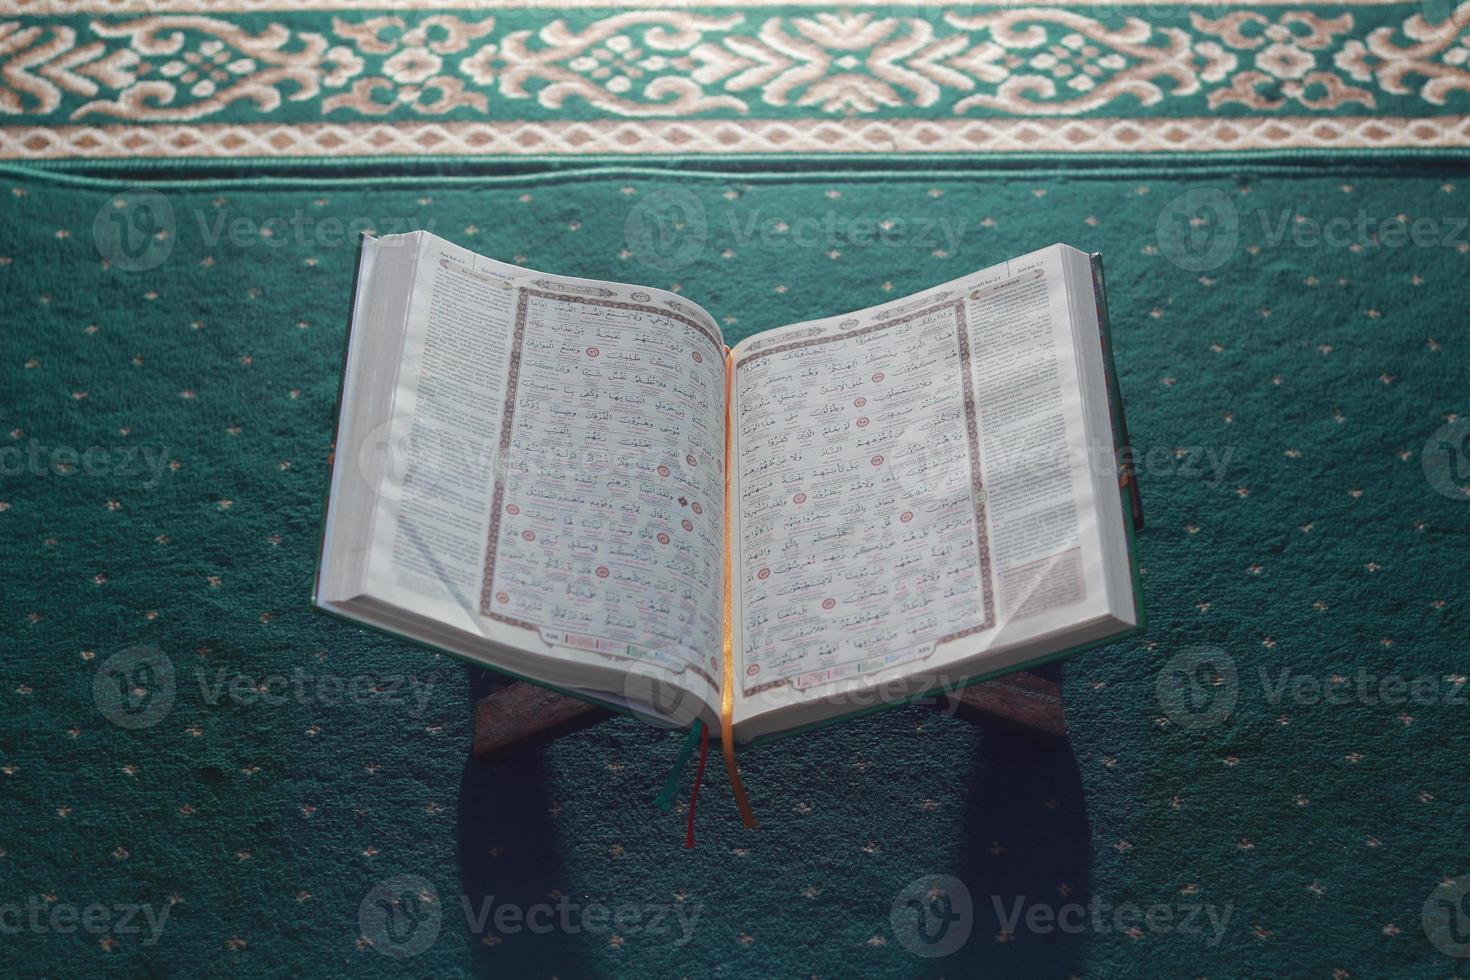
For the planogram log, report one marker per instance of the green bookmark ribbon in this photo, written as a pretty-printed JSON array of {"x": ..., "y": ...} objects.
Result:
[{"x": 665, "y": 799}]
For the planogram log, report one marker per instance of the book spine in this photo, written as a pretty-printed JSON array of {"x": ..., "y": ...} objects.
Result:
[{"x": 1127, "y": 475}]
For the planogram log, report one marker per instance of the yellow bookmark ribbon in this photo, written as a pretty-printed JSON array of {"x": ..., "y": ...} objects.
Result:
[{"x": 727, "y": 687}]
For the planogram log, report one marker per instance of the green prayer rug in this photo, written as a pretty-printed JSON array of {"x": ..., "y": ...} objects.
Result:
[{"x": 202, "y": 776}]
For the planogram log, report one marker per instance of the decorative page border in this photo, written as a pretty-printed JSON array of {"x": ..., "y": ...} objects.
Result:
[
  {"x": 977, "y": 486},
  {"x": 507, "y": 426}
]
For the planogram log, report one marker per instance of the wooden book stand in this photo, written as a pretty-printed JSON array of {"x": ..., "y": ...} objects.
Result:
[{"x": 522, "y": 714}]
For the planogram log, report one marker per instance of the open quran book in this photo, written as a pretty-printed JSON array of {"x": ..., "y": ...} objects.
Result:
[{"x": 576, "y": 482}]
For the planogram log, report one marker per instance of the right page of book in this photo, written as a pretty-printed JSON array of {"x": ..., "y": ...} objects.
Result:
[{"x": 910, "y": 487}]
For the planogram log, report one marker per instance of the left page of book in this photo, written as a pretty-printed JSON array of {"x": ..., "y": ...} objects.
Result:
[{"x": 550, "y": 477}]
